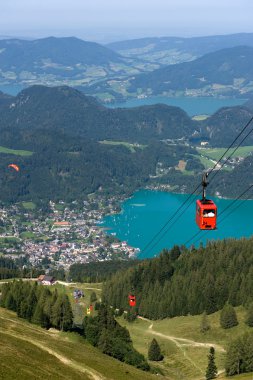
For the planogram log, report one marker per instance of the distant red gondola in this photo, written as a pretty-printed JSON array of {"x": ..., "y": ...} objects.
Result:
[
  {"x": 206, "y": 210},
  {"x": 132, "y": 300}
]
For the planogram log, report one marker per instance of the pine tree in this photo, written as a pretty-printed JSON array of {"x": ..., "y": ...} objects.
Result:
[
  {"x": 38, "y": 316},
  {"x": 62, "y": 316},
  {"x": 154, "y": 351},
  {"x": 249, "y": 317},
  {"x": 10, "y": 302},
  {"x": 234, "y": 357},
  {"x": 67, "y": 315},
  {"x": 211, "y": 371},
  {"x": 204, "y": 326},
  {"x": 228, "y": 317},
  {"x": 93, "y": 297},
  {"x": 31, "y": 302}
]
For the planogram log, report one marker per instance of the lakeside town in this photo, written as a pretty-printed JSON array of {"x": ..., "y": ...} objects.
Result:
[{"x": 61, "y": 234}]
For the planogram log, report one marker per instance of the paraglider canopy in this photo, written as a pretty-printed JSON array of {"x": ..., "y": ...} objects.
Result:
[{"x": 14, "y": 166}]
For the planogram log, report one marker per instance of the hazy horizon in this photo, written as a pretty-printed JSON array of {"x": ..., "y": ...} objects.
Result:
[{"x": 109, "y": 21}]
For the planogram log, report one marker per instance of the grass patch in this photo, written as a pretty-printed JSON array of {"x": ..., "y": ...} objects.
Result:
[
  {"x": 16, "y": 152},
  {"x": 206, "y": 162},
  {"x": 132, "y": 147},
  {"x": 216, "y": 153},
  {"x": 9, "y": 239},
  {"x": 27, "y": 235},
  {"x": 29, "y": 205},
  {"x": 80, "y": 306}
]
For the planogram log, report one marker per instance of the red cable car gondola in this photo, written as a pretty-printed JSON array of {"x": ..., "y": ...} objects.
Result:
[
  {"x": 132, "y": 300},
  {"x": 206, "y": 210}
]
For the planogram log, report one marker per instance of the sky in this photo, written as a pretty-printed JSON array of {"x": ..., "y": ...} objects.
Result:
[{"x": 113, "y": 20}]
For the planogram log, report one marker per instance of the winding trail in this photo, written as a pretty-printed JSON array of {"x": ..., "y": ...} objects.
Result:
[{"x": 183, "y": 342}]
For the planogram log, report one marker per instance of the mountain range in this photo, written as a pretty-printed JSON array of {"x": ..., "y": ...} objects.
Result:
[
  {"x": 171, "y": 50},
  {"x": 227, "y": 71},
  {"x": 203, "y": 66},
  {"x": 58, "y": 60},
  {"x": 75, "y": 146}
]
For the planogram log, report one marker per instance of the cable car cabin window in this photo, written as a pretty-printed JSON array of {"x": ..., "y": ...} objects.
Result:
[{"x": 208, "y": 213}]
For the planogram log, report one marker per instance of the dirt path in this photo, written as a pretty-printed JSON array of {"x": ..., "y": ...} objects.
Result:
[
  {"x": 183, "y": 342},
  {"x": 91, "y": 373},
  {"x": 187, "y": 342}
]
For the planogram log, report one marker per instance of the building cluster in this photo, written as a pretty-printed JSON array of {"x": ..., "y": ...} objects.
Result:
[{"x": 63, "y": 236}]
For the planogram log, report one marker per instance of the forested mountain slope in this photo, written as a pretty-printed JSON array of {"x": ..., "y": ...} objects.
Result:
[
  {"x": 74, "y": 113},
  {"x": 183, "y": 281}
]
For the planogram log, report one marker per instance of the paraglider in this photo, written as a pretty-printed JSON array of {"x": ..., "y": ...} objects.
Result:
[{"x": 14, "y": 166}]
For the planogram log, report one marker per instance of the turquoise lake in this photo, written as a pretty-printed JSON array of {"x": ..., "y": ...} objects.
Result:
[
  {"x": 144, "y": 215},
  {"x": 193, "y": 106}
]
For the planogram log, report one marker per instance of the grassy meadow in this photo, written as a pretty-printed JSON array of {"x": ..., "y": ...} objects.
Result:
[
  {"x": 184, "y": 346},
  {"x": 16, "y": 152},
  {"x": 30, "y": 352},
  {"x": 131, "y": 147},
  {"x": 67, "y": 356},
  {"x": 216, "y": 153}
]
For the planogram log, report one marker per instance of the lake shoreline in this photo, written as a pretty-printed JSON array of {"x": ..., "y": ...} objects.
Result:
[{"x": 138, "y": 225}]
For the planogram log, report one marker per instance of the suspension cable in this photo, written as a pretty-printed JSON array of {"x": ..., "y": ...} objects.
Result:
[
  {"x": 190, "y": 195},
  {"x": 223, "y": 211}
]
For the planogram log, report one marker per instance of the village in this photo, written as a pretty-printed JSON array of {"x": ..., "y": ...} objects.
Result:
[{"x": 62, "y": 236}]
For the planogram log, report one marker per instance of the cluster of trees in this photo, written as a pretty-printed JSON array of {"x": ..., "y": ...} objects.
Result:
[
  {"x": 8, "y": 268},
  {"x": 38, "y": 304},
  {"x": 69, "y": 168},
  {"x": 16, "y": 268},
  {"x": 240, "y": 355},
  {"x": 187, "y": 281},
  {"x": 98, "y": 271},
  {"x": 46, "y": 308},
  {"x": 104, "y": 332}
]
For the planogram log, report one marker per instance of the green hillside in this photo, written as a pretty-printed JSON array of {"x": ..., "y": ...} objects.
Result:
[
  {"x": 28, "y": 351},
  {"x": 225, "y": 72},
  {"x": 184, "y": 346}
]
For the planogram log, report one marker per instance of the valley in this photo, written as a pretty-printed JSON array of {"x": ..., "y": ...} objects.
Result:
[{"x": 110, "y": 143}]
